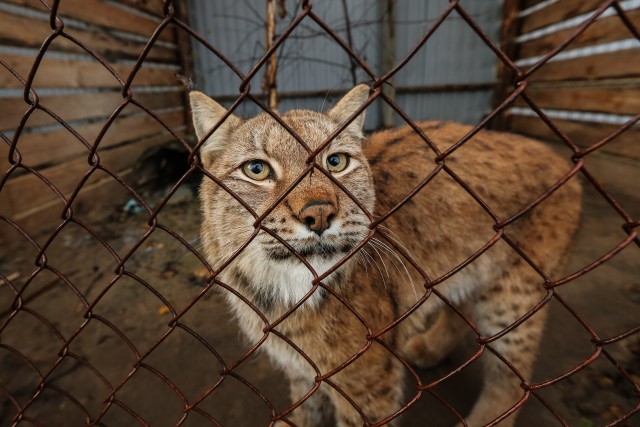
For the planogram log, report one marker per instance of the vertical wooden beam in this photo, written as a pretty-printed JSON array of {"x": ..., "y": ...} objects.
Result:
[
  {"x": 269, "y": 80},
  {"x": 508, "y": 35},
  {"x": 388, "y": 58},
  {"x": 352, "y": 61},
  {"x": 186, "y": 61}
]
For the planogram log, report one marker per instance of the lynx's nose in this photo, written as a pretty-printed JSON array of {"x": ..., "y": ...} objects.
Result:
[{"x": 317, "y": 215}]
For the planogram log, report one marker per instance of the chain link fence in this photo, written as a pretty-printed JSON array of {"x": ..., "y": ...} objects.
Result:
[{"x": 95, "y": 407}]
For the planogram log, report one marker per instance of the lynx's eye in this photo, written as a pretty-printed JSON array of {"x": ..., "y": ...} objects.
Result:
[
  {"x": 257, "y": 170},
  {"x": 337, "y": 162}
]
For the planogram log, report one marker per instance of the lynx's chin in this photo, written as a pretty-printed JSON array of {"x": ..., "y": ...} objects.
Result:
[
  {"x": 284, "y": 282},
  {"x": 322, "y": 250}
]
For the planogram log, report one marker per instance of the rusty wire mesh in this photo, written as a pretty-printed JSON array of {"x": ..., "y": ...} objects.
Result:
[{"x": 189, "y": 406}]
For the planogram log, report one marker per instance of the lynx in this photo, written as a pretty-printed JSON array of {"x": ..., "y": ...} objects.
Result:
[{"x": 439, "y": 227}]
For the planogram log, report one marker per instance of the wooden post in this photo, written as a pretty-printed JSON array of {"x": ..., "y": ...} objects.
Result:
[
  {"x": 269, "y": 80},
  {"x": 186, "y": 60},
  {"x": 352, "y": 61},
  {"x": 508, "y": 34},
  {"x": 388, "y": 59}
]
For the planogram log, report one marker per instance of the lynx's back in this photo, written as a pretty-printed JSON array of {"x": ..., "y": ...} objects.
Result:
[{"x": 506, "y": 171}]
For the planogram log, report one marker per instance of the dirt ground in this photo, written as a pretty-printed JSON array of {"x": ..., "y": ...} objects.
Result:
[{"x": 608, "y": 298}]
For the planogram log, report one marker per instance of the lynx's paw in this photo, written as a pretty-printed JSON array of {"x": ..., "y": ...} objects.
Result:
[
  {"x": 420, "y": 353},
  {"x": 429, "y": 348}
]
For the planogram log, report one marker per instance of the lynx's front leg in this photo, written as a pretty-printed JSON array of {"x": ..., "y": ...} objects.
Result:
[
  {"x": 315, "y": 411},
  {"x": 374, "y": 384},
  {"x": 503, "y": 303}
]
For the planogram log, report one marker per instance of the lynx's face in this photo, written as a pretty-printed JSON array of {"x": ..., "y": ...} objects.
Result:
[{"x": 258, "y": 160}]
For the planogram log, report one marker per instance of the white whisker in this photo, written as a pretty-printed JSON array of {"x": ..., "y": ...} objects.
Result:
[
  {"x": 381, "y": 259},
  {"x": 393, "y": 236},
  {"x": 365, "y": 262},
  {"x": 377, "y": 267},
  {"x": 395, "y": 255}
]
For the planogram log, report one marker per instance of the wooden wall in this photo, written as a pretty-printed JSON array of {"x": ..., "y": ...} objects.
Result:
[
  {"x": 592, "y": 88},
  {"x": 79, "y": 90}
]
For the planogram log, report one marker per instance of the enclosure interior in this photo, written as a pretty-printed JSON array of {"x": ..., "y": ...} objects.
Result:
[{"x": 109, "y": 313}]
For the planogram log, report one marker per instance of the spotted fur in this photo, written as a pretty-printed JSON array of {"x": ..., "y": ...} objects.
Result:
[{"x": 439, "y": 228}]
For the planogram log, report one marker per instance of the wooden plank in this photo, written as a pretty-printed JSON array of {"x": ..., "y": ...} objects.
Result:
[
  {"x": 605, "y": 65},
  {"x": 31, "y": 32},
  {"x": 100, "y": 194},
  {"x": 183, "y": 39},
  {"x": 508, "y": 34},
  {"x": 612, "y": 99},
  {"x": 154, "y": 7},
  {"x": 557, "y": 12},
  {"x": 617, "y": 175},
  {"x": 582, "y": 134},
  {"x": 39, "y": 148},
  {"x": 82, "y": 106},
  {"x": 526, "y": 4},
  {"x": 67, "y": 73},
  {"x": 27, "y": 192},
  {"x": 603, "y": 30},
  {"x": 104, "y": 14},
  {"x": 4, "y": 160}
]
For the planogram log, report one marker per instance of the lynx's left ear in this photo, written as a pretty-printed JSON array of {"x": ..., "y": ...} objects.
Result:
[
  {"x": 206, "y": 113},
  {"x": 348, "y": 105}
]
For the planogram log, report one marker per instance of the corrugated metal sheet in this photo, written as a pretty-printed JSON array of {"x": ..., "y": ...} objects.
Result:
[{"x": 311, "y": 61}]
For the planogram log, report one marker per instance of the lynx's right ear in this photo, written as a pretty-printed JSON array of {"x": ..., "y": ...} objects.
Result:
[{"x": 206, "y": 113}]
